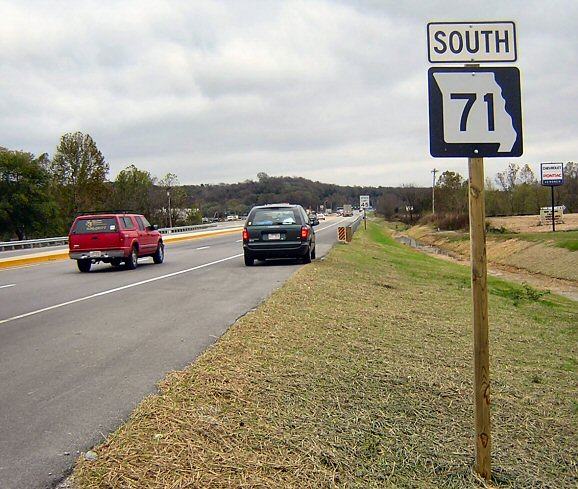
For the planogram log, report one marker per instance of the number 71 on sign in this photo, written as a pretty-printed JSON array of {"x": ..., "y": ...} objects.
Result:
[{"x": 475, "y": 112}]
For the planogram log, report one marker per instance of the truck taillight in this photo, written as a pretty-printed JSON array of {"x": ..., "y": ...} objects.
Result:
[
  {"x": 245, "y": 235},
  {"x": 304, "y": 233}
]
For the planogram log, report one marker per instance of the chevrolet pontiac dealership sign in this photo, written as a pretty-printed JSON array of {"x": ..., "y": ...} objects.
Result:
[{"x": 552, "y": 174}]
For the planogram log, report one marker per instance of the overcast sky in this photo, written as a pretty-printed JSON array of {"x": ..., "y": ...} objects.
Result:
[{"x": 217, "y": 91}]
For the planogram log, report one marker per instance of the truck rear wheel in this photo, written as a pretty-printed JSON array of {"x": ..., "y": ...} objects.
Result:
[
  {"x": 84, "y": 265},
  {"x": 132, "y": 259}
]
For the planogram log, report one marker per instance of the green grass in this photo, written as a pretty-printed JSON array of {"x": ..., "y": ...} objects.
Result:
[{"x": 357, "y": 374}]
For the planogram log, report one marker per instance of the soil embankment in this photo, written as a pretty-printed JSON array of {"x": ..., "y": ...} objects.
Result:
[{"x": 521, "y": 253}]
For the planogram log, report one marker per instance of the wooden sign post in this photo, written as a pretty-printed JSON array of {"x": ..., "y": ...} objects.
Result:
[{"x": 480, "y": 316}]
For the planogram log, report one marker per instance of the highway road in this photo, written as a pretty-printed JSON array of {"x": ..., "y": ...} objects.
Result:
[{"x": 79, "y": 351}]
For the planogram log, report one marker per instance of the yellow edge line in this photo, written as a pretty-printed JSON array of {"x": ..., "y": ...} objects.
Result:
[
  {"x": 24, "y": 260},
  {"x": 19, "y": 261}
]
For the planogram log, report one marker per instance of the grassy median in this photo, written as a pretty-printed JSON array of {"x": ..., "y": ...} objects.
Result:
[{"x": 358, "y": 373}]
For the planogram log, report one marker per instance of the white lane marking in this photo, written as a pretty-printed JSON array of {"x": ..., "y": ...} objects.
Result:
[
  {"x": 330, "y": 226},
  {"x": 6, "y": 286},
  {"x": 238, "y": 241},
  {"x": 118, "y": 289},
  {"x": 202, "y": 248}
]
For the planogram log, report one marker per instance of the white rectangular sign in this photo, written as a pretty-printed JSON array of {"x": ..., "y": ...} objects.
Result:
[
  {"x": 471, "y": 42},
  {"x": 363, "y": 201},
  {"x": 552, "y": 173}
]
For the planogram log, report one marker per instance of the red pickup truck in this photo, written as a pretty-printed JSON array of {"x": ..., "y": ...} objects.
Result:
[{"x": 113, "y": 238}]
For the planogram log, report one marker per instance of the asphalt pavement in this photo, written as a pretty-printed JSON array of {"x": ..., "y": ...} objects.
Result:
[{"x": 79, "y": 351}]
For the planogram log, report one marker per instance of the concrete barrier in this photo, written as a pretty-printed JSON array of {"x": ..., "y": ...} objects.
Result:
[{"x": 345, "y": 233}]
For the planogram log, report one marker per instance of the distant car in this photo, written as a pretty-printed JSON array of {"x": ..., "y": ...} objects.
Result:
[
  {"x": 114, "y": 238},
  {"x": 313, "y": 218},
  {"x": 321, "y": 216},
  {"x": 232, "y": 218},
  {"x": 205, "y": 220},
  {"x": 278, "y": 231}
]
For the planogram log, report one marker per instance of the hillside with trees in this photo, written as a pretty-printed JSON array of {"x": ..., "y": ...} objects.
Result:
[
  {"x": 41, "y": 195},
  {"x": 238, "y": 198}
]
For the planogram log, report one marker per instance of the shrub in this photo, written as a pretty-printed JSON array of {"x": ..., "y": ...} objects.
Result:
[{"x": 447, "y": 221}]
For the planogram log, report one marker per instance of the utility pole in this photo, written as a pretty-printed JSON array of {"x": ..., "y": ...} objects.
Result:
[
  {"x": 433, "y": 192},
  {"x": 170, "y": 216}
]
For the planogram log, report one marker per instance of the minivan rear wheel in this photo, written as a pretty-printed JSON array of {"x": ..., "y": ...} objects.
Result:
[
  {"x": 249, "y": 260},
  {"x": 307, "y": 257}
]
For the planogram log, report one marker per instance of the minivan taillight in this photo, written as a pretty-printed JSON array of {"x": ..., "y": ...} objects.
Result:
[
  {"x": 304, "y": 233},
  {"x": 245, "y": 234}
]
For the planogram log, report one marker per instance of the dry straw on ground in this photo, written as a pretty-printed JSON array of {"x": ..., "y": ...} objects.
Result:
[{"x": 357, "y": 373}]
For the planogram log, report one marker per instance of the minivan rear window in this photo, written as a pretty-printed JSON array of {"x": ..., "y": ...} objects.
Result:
[
  {"x": 274, "y": 216},
  {"x": 103, "y": 225}
]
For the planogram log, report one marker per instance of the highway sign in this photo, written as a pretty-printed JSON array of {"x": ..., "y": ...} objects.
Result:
[
  {"x": 475, "y": 112},
  {"x": 552, "y": 174},
  {"x": 471, "y": 42},
  {"x": 363, "y": 201}
]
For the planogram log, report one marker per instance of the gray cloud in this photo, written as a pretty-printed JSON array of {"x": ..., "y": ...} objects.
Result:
[{"x": 220, "y": 90}]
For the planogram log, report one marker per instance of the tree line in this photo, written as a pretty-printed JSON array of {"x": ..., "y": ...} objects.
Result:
[
  {"x": 41, "y": 195},
  {"x": 514, "y": 191}
]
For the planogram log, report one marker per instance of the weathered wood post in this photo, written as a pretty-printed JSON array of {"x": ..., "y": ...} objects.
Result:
[{"x": 480, "y": 316}]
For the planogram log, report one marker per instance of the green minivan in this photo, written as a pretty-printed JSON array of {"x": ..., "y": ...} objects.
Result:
[{"x": 278, "y": 231}]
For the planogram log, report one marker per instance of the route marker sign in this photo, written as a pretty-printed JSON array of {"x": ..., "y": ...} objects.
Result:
[
  {"x": 475, "y": 112},
  {"x": 552, "y": 174},
  {"x": 471, "y": 42}
]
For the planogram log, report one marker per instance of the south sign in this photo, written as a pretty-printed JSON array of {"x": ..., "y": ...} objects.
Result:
[{"x": 471, "y": 42}]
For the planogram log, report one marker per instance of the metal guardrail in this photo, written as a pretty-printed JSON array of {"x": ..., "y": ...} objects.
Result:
[
  {"x": 185, "y": 229},
  {"x": 33, "y": 243},
  {"x": 355, "y": 224},
  {"x": 63, "y": 240}
]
